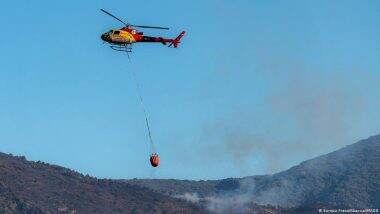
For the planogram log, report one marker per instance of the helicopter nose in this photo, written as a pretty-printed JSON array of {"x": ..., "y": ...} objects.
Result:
[{"x": 103, "y": 37}]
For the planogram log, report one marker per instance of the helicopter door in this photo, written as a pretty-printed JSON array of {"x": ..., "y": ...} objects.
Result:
[{"x": 117, "y": 36}]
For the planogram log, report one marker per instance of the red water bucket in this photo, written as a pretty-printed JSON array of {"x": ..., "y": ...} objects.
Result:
[{"x": 154, "y": 160}]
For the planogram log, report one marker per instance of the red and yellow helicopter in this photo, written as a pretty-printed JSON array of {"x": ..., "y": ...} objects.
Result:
[{"x": 123, "y": 38}]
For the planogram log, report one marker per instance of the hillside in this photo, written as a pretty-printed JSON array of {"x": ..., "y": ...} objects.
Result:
[
  {"x": 346, "y": 178},
  {"x": 35, "y": 187},
  {"x": 349, "y": 177}
]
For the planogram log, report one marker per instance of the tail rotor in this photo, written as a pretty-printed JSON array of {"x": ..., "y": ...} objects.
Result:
[{"x": 177, "y": 40}]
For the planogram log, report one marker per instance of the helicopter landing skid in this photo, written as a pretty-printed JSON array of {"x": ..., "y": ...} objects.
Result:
[{"x": 124, "y": 48}]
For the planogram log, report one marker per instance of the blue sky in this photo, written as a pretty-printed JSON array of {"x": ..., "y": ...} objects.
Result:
[{"x": 255, "y": 87}]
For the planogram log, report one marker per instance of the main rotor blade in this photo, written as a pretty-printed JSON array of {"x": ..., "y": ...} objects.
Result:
[
  {"x": 114, "y": 17},
  {"x": 143, "y": 26}
]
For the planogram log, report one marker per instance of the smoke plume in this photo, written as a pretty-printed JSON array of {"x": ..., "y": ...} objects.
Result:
[{"x": 310, "y": 115}]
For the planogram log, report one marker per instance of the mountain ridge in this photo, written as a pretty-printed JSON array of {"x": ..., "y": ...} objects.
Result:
[
  {"x": 348, "y": 177},
  {"x": 37, "y": 187}
]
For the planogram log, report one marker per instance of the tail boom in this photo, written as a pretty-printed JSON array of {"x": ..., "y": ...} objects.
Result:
[{"x": 172, "y": 42}]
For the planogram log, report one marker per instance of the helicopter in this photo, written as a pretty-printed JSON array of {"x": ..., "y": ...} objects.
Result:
[{"x": 123, "y": 38}]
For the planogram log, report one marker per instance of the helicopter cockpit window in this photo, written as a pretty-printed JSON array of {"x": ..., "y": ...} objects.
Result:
[{"x": 116, "y": 32}]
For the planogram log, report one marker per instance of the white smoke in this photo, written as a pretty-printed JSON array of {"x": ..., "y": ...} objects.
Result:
[{"x": 190, "y": 197}]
